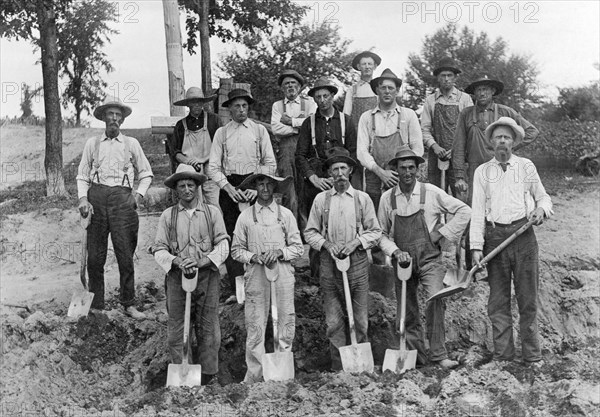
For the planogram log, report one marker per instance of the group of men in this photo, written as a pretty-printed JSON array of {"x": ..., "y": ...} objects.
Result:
[{"x": 349, "y": 186}]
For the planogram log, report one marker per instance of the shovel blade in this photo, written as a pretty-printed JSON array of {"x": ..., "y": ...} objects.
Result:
[
  {"x": 451, "y": 277},
  {"x": 399, "y": 361},
  {"x": 278, "y": 366},
  {"x": 357, "y": 358},
  {"x": 240, "y": 294},
  {"x": 184, "y": 375},
  {"x": 81, "y": 301},
  {"x": 446, "y": 292}
]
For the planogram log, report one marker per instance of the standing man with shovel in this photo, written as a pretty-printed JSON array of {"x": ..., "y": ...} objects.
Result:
[
  {"x": 266, "y": 236},
  {"x": 410, "y": 215},
  {"x": 191, "y": 241},
  {"x": 342, "y": 223},
  {"x": 507, "y": 192}
]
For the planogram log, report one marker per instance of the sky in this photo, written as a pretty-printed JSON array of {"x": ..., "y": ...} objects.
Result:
[{"x": 562, "y": 37}]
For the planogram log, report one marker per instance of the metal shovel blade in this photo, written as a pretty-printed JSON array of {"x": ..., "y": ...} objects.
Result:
[
  {"x": 399, "y": 361},
  {"x": 81, "y": 301},
  {"x": 240, "y": 294},
  {"x": 184, "y": 375},
  {"x": 278, "y": 366},
  {"x": 357, "y": 358}
]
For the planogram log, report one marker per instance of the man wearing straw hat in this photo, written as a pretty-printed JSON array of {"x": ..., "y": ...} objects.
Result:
[
  {"x": 439, "y": 119},
  {"x": 191, "y": 238},
  {"x": 382, "y": 131},
  {"x": 410, "y": 215},
  {"x": 105, "y": 189},
  {"x": 240, "y": 148},
  {"x": 287, "y": 116},
  {"x": 507, "y": 192},
  {"x": 266, "y": 233},
  {"x": 193, "y": 137},
  {"x": 470, "y": 143},
  {"x": 342, "y": 223}
]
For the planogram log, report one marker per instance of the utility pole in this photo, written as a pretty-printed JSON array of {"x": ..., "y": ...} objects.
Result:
[{"x": 174, "y": 56}]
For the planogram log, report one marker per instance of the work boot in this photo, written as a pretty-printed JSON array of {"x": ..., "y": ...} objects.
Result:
[
  {"x": 132, "y": 312},
  {"x": 447, "y": 363}
]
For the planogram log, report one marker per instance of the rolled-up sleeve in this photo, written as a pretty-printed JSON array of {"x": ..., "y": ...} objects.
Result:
[
  {"x": 385, "y": 217},
  {"x": 239, "y": 244},
  {"x": 312, "y": 233},
  {"x": 160, "y": 249},
  {"x": 293, "y": 248},
  {"x": 279, "y": 128},
  {"x": 215, "y": 164},
  {"x": 220, "y": 238},
  {"x": 454, "y": 229},
  {"x": 362, "y": 141}
]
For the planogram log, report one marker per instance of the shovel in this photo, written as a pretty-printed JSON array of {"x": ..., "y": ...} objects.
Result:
[
  {"x": 468, "y": 277},
  {"x": 185, "y": 374},
  {"x": 277, "y": 366},
  {"x": 357, "y": 357},
  {"x": 240, "y": 292},
  {"x": 81, "y": 301},
  {"x": 401, "y": 360}
]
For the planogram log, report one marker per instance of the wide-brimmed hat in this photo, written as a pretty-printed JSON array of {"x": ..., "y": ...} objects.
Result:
[
  {"x": 184, "y": 172},
  {"x": 290, "y": 73},
  {"x": 323, "y": 82},
  {"x": 404, "y": 152},
  {"x": 387, "y": 74},
  {"x": 339, "y": 154},
  {"x": 111, "y": 101},
  {"x": 485, "y": 80},
  {"x": 508, "y": 122},
  {"x": 446, "y": 64},
  {"x": 194, "y": 94},
  {"x": 250, "y": 181},
  {"x": 365, "y": 54},
  {"x": 238, "y": 93}
]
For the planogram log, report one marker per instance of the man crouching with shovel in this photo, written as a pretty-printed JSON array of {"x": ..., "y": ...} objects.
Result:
[
  {"x": 191, "y": 242},
  {"x": 410, "y": 215},
  {"x": 342, "y": 224},
  {"x": 266, "y": 238}
]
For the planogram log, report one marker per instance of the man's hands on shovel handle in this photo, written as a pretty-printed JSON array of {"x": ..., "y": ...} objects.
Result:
[
  {"x": 333, "y": 248},
  {"x": 349, "y": 248},
  {"x": 476, "y": 256},
  {"x": 537, "y": 216},
  {"x": 270, "y": 257},
  {"x": 388, "y": 177},
  {"x": 187, "y": 265},
  {"x": 403, "y": 258},
  {"x": 441, "y": 153}
]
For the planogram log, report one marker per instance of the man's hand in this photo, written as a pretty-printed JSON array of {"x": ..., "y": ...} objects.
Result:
[
  {"x": 256, "y": 260},
  {"x": 187, "y": 265},
  {"x": 441, "y": 153},
  {"x": 349, "y": 248},
  {"x": 537, "y": 216},
  {"x": 195, "y": 162},
  {"x": 85, "y": 207},
  {"x": 461, "y": 186},
  {"x": 250, "y": 195},
  {"x": 435, "y": 237},
  {"x": 322, "y": 184},
  {"x": 139, "y": 199},
  {"x": 403, "y": 258},
  {"x": 204, "y": 262},
  {"x": 236, "y": 195},
  {"x": 388, "y": 177},
  {"x": 476, "y": 256},
  {"x": 286, "y": 120},
  {"x": 332, "y": 248},
  {"x": 271, "y": 256}
]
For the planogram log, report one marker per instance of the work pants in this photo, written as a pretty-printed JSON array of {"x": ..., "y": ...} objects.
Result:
[
  {"x": 286, "y": 167},
  {"x": 114, "y": 214}
]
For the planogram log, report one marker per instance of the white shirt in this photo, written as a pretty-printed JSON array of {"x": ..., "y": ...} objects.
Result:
[{"x": 292, "y": 109}]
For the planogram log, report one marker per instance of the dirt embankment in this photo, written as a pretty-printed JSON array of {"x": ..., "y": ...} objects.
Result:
[{"x": 110, "y": 364}]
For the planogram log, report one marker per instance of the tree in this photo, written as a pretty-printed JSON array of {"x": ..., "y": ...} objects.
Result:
[
  {"x": 313, "y": 50},
  {"x": 20, "y": 19},
  {"x": 582, "y": 103},
  {"x": 26, "y": 98},
  {"x": 230, "y": 20},
  {"x": 477, "y": 55},
  {"x": 82, "y": 34}
]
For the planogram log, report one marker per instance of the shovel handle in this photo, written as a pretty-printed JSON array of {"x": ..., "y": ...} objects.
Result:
[
  {"x": 502, "y": 246},
  {"x": 348, "y": 298},
  {"x": 83, "y": 266},
  {"x": 188, "y": 285},
  {"x": 403, "y": 318},
  {"x": 275, "y": 317}
]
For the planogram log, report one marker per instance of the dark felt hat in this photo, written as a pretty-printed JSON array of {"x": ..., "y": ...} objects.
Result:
[
  {"x": 365, "y": 54},
  {"x": 498, "y": 85},
  {"x": 184, "y": 172},
  {"x": 323, "y": 82},
  {"x": 404, "y": 152},
  {"x": 387, "y": 74},
  {"x": 111, "y": 101},
  {"x": 290, "y": 73},
  {"x": 192, "y": 95},
  {"x": 339, "y": 154},
  {"x": 238, "y": 93},
  {"x": 446, "y": 64}
]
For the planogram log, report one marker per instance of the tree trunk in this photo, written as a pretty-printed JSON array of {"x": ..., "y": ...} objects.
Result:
[
  {"x": 53, "y": 161},
  {"x": 205, "y": 50},
  {"x": 174, "y": 56}
]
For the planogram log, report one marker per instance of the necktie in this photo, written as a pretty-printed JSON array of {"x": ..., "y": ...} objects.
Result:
[{"x": 504, "y": 165}]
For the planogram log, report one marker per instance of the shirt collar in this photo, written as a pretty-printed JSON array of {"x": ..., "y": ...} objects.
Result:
[
  {"x": 200, "y": 116},
  {"x": 119, "y": 138},
  {"x": 336, "y": 114},
  {"x": 350, "y": 191},
  {"x": 511, "y": 161},
  {"x": 362, "y": 82},
  {"x": 415, "y": 191},
  {"x": 272, "y": 207},
  {"x": 453, "y": 92},
  {"x": 377, "y": 109},
  {"x": 199, "y": 206},
  {"x": 296, "y": 100}
]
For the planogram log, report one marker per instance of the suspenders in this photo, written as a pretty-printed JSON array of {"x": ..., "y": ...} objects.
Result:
[
  {"x": 302, "y": 107},
  {"x": 174, "y": 246},
  {"x": 279, "y": 220},
  {"x": 314, "y": 136},
  {"x": 126, "y": 164},
  {"x": 357, "y": 212},
  {"x": 373, "y": 130},
  {"x": 421, "y": 201}
]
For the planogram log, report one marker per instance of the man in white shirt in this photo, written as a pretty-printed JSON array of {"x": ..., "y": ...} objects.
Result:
[
  {"x": 382, "y": 131},
  {"x": 191, "y": 239},
  {"x": 507, "y": 192},
  {"x": 240, "y": 148},
  {"x": 105, "y": 189},
  {"x": 410, "y": 217},
  {"x": 287, "y": 116}
]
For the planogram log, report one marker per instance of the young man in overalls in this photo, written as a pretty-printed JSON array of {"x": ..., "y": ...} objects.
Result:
[
  {"x": 191, "y": 239},
  {"x": 361, "y": 98},
  {"x": 382, "y": 131},
  {"x": 266, "y": 233},
  {"x": 410, "y": 215},
  {"x": 439, "y": 119},
  {"x": 105, "y": 189},
  {"x": 192, "y": 139}
]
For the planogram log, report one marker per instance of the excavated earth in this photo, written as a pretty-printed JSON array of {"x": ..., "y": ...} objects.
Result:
[{"x": 111, "y": 365}]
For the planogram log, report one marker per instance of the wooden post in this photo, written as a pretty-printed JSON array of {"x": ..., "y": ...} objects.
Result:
[{"x": 174, "y": 56}]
